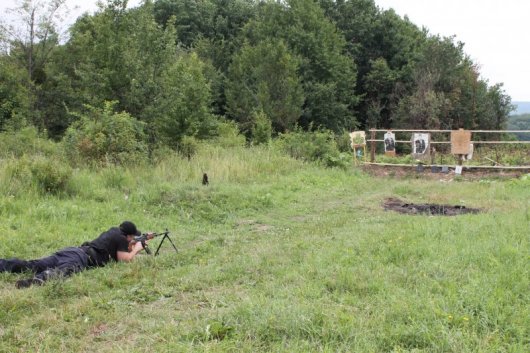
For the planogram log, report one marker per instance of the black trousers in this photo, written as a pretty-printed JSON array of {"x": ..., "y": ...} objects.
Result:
[{"x": 63, "y": 263}]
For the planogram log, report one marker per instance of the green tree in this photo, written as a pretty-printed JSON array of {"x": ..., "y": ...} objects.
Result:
[
  {"x": 34, "y": 32},
  {"x": 492, "y": 107},
  {"x": 13, "y": 95},
  {"x": 262, "y": 128},
  {"x": 217, "y": 22},
  {"x": 449, "y": 91},
  {"x": 409, "y": 78},
  {"x": 192, "y": 19},
  {"x": 125, "y": 56},
  {"x": 102, "y": 44},
  {"x": 264, "y": 78},
  {"x": 182, "y": 106},
  {"x": 379, "y": 85},
  {"x": 30, "y": 39},
  {"x": 212, "y": 28},
  {"x": 383, "y": 46},
  {"x": 328, "y": 76}
]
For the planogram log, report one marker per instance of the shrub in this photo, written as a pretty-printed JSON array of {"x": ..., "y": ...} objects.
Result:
[
  {"x": 188, "y": 146},
  {"x": 228, "y": 134},
  {"x": 43, "y": 174},
  {"x": 160, "y": 153},
  {"x": 103, "y": 136},
  {"x": 26, "y": 141},
  {"x": 16, "y": 175},
  {"x": 344, "y": 142},
  {"x": 261, "y": 128},
  {"x": 50, "y": 175},
  {"x": 316, "y": 145}
]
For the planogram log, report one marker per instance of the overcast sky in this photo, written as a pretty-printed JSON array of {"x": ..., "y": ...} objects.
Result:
[{"x": 495, "y": 32}]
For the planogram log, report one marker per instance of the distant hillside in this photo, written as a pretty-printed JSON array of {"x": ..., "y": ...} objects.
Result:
[
  {"x": 522, "y": 108},
  {"x": 520, "y": 122}
]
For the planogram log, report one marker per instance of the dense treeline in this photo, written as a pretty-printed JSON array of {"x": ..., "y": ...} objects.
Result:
[{"x": 169, "y": 70}]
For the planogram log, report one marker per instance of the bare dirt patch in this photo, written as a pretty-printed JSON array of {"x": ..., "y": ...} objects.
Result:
[
  {"x": 254, "y": 225},
  {"x": 427, "y": 173},
  {"x": 393, "y": 204},
  {"x": 98, "y": 330}
]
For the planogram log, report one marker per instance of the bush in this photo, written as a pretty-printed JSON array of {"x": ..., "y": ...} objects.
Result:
[
  {"x": 188, "y": 146},
  {"x": 102, "y": 136},
  {"x": 316, "y": 145},
  {"x": 261, "y": 128},
  {"x": 344, "y": 142},
  {"x": 161, "y": 153},
  {"x": 50, "y": 175},
  {"x": 16, "y": 175},
  {"x": 228, "y": 134},
  {"x": 46, "y": 175},
  {"x": 26, "y": 141}
]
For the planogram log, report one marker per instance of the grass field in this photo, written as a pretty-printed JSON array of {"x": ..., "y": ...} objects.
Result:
[{"x": 274, "y": 256}]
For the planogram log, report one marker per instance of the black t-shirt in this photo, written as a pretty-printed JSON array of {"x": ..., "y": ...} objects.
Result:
[{"x": 108, "y": 244}]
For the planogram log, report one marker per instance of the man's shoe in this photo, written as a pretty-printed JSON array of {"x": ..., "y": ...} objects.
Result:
[{"x": 25, "y": 283}]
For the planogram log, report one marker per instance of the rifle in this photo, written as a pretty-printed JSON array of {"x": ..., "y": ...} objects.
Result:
[{"x": 148, "y": 236}]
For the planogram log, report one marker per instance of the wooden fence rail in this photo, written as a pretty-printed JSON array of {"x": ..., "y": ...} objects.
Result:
[{"x": 372, "y": 140}]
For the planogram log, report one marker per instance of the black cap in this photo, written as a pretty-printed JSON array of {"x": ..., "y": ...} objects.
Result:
[{"x": 128, "y": 228}]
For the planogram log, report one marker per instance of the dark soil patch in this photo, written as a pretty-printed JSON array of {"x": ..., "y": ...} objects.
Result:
[
  {"x": 397, "y": 205},
  {"x": 468, "y": 174}
]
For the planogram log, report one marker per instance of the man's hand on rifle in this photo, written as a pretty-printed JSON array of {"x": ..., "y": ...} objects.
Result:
[
  {"x": 142, "y": 241},
  {"x": 144, "y": 238},
  {"x": 138, "y": 246},
  {"x": 134, "y": 248}
]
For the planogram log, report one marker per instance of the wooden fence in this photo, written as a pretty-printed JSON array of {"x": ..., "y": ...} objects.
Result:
[{"x": 443, "y": 142}]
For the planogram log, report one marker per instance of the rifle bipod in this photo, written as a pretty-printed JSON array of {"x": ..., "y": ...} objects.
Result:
[
  {"x": 166, "y": 236},
  {"x": 148, "y": 236}
]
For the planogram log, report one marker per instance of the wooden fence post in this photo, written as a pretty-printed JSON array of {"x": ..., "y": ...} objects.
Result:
[{"x": 372, "y": 145}]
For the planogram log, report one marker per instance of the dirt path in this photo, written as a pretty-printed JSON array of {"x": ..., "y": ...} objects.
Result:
[{"x": 473, "y": 174}]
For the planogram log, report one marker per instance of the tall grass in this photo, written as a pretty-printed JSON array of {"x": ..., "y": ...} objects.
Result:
[
  {"x": 275, "y": 255},
  {"x": 236, "y": 164}
]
